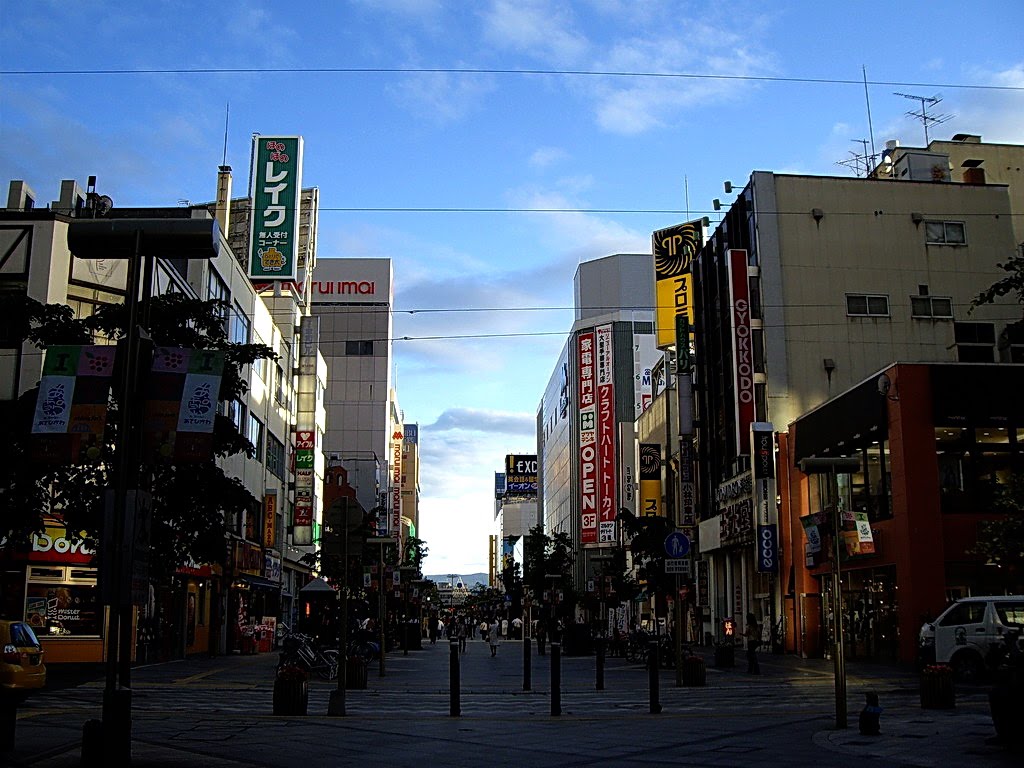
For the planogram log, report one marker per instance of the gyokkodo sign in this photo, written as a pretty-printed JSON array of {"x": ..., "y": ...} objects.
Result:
[{"x": 742, "y": 348}]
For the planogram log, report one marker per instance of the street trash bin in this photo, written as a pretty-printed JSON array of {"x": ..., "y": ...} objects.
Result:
[
  {"x": 694, "y": 671},
  {"x": 725, "y": 655},
  {"x": 355, "y": 673},
  {"x": 937, "y": 687},
  {"x": 291, "y": 695}
]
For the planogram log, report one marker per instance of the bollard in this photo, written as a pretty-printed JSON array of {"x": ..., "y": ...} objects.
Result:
[
  {"x": 455, "y": 679},
  {"x": 600, "y": 663},
  {"x": 556, "y": 679},
  {"x": 653, "y": 671},
  {"x": 8, "y": 720},
  {"x": 526, "y": 661}
]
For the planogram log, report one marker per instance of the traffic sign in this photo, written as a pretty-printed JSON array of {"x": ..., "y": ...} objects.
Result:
[
  {"x": 677, "y": 565},
  {"x": 677, "y": 545}
]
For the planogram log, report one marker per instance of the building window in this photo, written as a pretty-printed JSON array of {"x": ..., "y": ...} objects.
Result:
[
  {"x": 864, "y": 305},
  {"x": 236, "y": 412},
  {"x": 275, "y": 456},
  {"x": 975, "y": 342},
  {"x": 359, "y": 348},
  {"x": 63, "y": 601},
  {"x": 1011, "y": 344},
  {"x": 945, "y": 233},
  {"x": 217, "y": 290},
  {"x": 256, "y": 436},
  {"x": 280, "y": 391},
  {"x": 239, "y": 329},
  {"x": 934, "y": 307}
]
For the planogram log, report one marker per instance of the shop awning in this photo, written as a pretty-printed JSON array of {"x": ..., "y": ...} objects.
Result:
[{"x": 257, "y": 581}]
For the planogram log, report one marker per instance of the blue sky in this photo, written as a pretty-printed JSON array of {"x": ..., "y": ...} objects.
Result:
[{"x": 493, "y": 138}]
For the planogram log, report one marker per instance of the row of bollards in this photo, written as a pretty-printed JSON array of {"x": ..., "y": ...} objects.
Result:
[{"x": 455, "y": 676}]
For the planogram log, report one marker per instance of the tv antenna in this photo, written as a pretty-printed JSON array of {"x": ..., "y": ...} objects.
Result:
[
  {"x": 862, "y": 162},
  {"x": 923, "y": 116}
]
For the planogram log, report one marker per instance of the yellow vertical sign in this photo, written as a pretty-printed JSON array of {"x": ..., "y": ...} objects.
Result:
[{"x": 674, "y": 248}]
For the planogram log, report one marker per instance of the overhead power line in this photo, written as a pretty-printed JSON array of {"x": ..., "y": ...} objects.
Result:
[{"x": 490, "y": 71}]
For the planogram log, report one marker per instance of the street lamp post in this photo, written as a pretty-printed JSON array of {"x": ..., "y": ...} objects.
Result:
[
  {"x": 383, "y": 541},
  {"x": 833, "y": 467},
  {"x": 139, "y": 241}
]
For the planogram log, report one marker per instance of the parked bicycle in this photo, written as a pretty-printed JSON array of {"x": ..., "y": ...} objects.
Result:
[
  {"x": 302, "y": 650},
  {"x": 638, "y": 648}
]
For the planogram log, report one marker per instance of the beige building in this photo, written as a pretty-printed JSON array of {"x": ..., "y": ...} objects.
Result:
[{"x": 807, "y": 287}]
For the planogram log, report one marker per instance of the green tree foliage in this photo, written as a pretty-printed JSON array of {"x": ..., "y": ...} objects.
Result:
[
  {"x": 192, "y": 503},
  {"x": 646, "y": 536},
  {"x": 415, "y": 552},
  {"x": 545, "y": 556}
]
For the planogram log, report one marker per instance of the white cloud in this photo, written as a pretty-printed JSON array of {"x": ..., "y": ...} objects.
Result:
[
  {"x": 489, "y": 422},
  {"x": 538, "y": 28},
  {"x": 543, "y": 157},
  {"x": 443, "y": 97}
]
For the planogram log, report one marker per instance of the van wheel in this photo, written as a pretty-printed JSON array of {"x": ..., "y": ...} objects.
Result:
[{"x": 968, "y": 667}]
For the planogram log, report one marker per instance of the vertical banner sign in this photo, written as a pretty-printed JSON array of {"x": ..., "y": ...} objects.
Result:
[
  {"x": 71, "y": 408},
  {"x": 396, "y": 484},
  {"x": 588, "y": 437},
  {"x": 276, "y": 196},
  {"x": 270, "y": 519},
  {"x": 500, "y": 484},
  {"x": 305, "y": 447},
  {"x": 606, "y": 443},
  {"x": 181, "y": 405},
  {"x": 703, "y": 583},
  {"x": 742, "y": 348},
  {"x": 767, "y": 548},
  {"x": 650, "y": 479},
  {"x": 674, "y": 248}
]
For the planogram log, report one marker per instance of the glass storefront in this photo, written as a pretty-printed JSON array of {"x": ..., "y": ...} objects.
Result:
[
  {"x": 63, "y": 601},
  {"x": 870, "y": 613}
]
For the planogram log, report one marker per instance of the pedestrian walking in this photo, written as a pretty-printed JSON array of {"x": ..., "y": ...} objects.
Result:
[
  {"x": 484, "y": 629},
  {"x": 542, "y": 636},
  {"x": 460, "y": 631},
  {"x": 495, "y": 639},
  {"x": 752, "y": 633}
]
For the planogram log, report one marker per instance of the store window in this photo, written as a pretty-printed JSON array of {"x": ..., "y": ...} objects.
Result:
[
  {"x": 63, "y": 601},
  {"x": 976, "y": 467}
]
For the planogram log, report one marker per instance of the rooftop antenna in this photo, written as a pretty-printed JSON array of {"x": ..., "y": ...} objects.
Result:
[
  {"x": 862, "y": 162},
  {"x": 871, "y": 128},
  {"x": 923, "y": 116},
  {"x": 227, "y": 114}
]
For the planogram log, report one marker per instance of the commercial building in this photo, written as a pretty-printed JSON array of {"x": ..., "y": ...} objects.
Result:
[
  {"x": 207, "y": 607},
  {"x": 808, "y": 286},
  {"x": 586, "y": 442}
]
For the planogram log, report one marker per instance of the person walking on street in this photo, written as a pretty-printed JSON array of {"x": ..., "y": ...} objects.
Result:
[
  {"x": 542, "y": 636},
  {"x": 460, "y": 631},
  {"x": 752, "y": 633}
]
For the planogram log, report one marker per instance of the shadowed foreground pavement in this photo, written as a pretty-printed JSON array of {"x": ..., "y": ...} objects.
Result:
[{"x": 218, "y": 712}]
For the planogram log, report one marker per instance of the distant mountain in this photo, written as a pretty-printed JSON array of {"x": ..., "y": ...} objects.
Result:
[{"x": 469, "y": 579}]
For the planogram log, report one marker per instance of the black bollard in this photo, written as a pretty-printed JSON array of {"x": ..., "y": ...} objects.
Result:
[
  {"x": 455, "y": 681},
  {"x": 655, "y": 682},
  {"x": 600, "y": 663},
  {"x": 556, "y": 679},
  {"x": 526, "y": 661},
  {"x": 8, "y": 720}
]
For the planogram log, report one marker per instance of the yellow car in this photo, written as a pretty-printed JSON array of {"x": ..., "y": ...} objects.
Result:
[{"x": 21, "y": 658}]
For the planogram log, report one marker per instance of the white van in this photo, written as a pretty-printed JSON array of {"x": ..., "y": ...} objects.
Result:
[{"x": 965, "y": 634}]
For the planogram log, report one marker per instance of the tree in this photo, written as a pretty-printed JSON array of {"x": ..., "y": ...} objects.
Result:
[
  {"x": 646, "y": 537},
  {"x": 191, "y": 502},
  {"x": 546, "y": 557},
  {"x": 416, "y": 551}
]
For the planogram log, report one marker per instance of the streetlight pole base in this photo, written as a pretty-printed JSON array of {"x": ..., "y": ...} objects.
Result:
[{"x": 336, "y": 704}]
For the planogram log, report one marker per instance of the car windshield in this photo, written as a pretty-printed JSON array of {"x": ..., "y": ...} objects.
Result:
[{"x": 22, "y": 636}]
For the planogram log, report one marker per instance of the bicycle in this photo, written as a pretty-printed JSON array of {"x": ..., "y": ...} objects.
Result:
[{"x": 302, "y": 650}]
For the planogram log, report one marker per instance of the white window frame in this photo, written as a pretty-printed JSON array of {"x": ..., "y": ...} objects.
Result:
[
  {"x": 867, "y": 297},
  {"x": 932, "y": 313}
]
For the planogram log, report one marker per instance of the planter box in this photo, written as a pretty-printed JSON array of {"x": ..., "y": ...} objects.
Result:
[
  {"x": 937, "y": 689},
  {"x": 291, "y": 697}
]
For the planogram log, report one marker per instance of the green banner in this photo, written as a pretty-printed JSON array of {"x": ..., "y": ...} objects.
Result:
[{"x": 276, "y": 196}]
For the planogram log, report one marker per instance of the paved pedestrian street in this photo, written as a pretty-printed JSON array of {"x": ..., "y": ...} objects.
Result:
[{"x": 218, "y": 712}]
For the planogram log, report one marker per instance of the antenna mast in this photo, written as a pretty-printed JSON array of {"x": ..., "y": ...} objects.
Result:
[
  {"x": 923, "y": 116},
  {"x": 227, "y": 114},
  {"x": 862, "y": 162}
]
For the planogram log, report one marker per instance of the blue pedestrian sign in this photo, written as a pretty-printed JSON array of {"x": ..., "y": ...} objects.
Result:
[{"x": 677, "y": 544}]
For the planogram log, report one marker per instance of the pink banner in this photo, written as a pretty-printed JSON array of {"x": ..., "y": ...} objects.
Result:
[{"x": 606, "y": 482}]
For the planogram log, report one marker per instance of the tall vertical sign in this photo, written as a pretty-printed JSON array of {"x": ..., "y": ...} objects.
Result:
[
  {"x": 276, "y": 195},
  {"x": 762, "y": 459},
  {"x": 742, "y": 347},
  {"x": 305, "y": 433},
  {"x": 607, "y": 464},
  {"x": 650, "y": 479},
  {"x": 674, "y": 248},
  {"x": 588, "y": 437},
  {"x": 396, "y": 484}
]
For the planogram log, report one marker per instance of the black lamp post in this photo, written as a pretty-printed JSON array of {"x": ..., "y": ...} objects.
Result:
[{"x": 139, "y": 241}]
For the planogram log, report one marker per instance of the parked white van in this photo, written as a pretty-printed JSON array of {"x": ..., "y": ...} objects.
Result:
[{"x": 965, "y": 634}]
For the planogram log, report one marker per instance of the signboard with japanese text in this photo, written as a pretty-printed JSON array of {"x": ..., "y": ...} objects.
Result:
[
  {"x": 607, "y": 480},
  {"x": 674, "y": 248},
  {"x": 270, "y": 519},
  {"x": 650, "y": 479},
  {"x": 521, "y": 474},
  {"x": 183, "y": 390},
  {"x": 587, "y": 436},
  {"x": 274, "y": 224}
]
